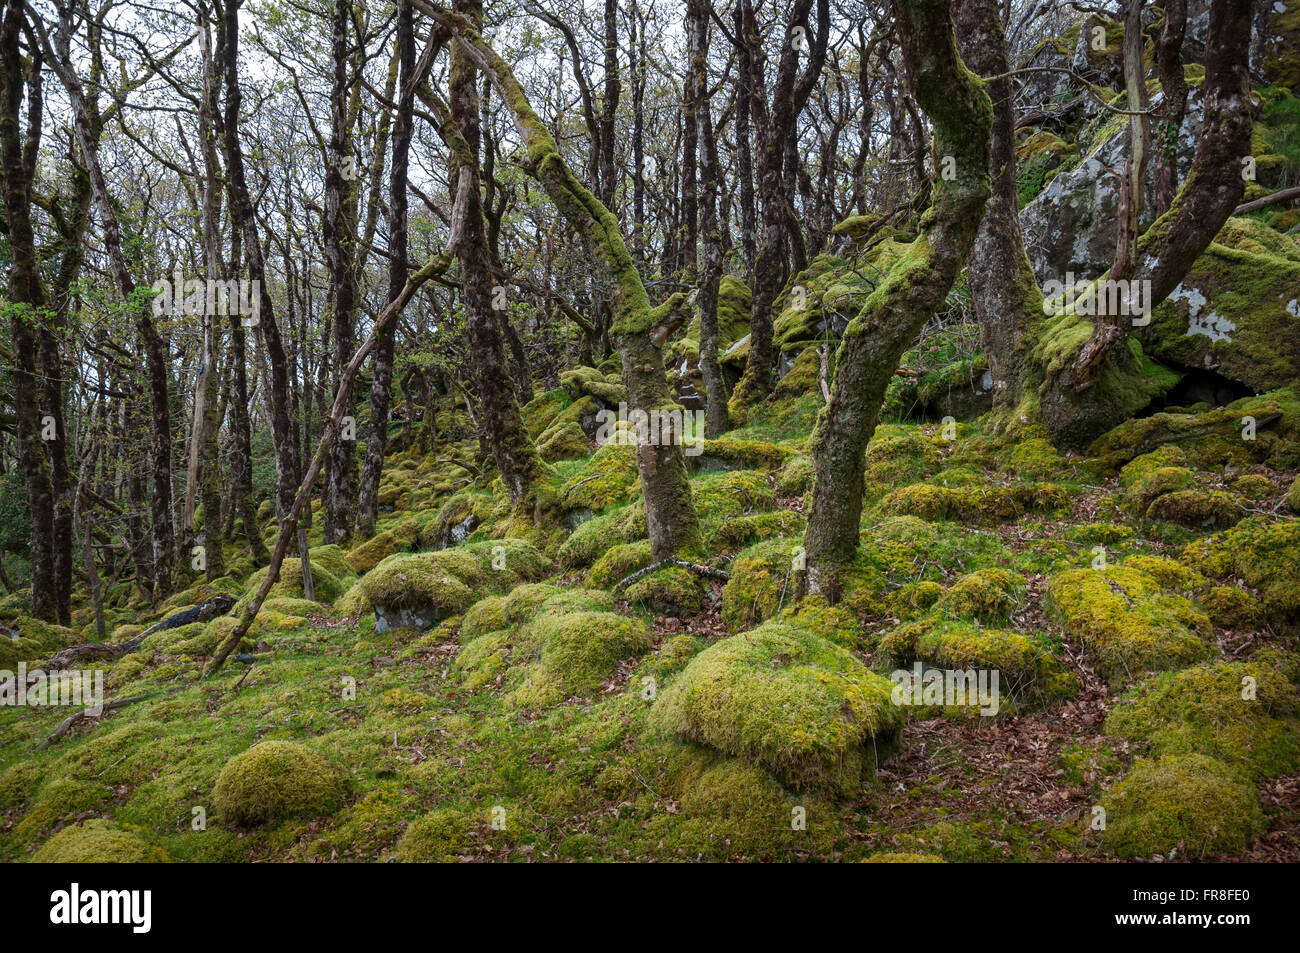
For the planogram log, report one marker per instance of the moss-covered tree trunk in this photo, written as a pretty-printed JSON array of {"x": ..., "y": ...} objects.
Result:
[
  {"x": 716, "y": 419},
  {"x": 670, "y": 514},
  {"x": 910, "y": 293}
]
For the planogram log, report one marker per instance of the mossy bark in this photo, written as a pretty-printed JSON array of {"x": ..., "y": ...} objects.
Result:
[
  {"x": 670, "y": 515},
  {"x": 914, "y": 288}
]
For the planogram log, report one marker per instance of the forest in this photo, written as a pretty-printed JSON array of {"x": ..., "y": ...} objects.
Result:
[{"x": 637, "y": 430}]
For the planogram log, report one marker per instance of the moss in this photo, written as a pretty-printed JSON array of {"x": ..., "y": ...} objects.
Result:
[
  {"x": 796, "y": 477},
  {"x": 524, "y": 602},
  {"x": 902, "y": 857},
  {"x": 486, "y": 615},
  {"x": 1263, "y": 553},
  {"x": 1155, "y": 484},
  {"x": 987, "y": 595},
  {"x": 606, "y": 478},
  {"x": 1196, "y": 509},
  {"x": 594, "y": 536},
  {"x": 723, "y": 495},
  {"x": 60, "y": 799},
  {"x": 739, "y": 531},
  {"x": 671, "y": 592},
  {"x": 18, "y": 782},
  {"x": 541, "y": 411},
  {"x": 483, "y": 661},
  {"x": 618, "y": 563},
  {"x": 987, "y": 504},
  {"x": 1092, "y": 534},
  {"x": 578, "y": 653},
  {"x": 804, "y": 708},
  {"x": 760, "y": 578},
  {"x": 1252, "y": 486},
  {"x": 1190, "y": 803},
  {"x": 333, "y": 559},
  {"x": 375, "y": 550},
  {"x": 421, "y": 582},
  {"x": 98, "y": 842},
  {"x": 735, "y": 453},
  {"x": 913, "y": 599},
  {"x": 1029, "y": 674},
  {"x": 1230, "y": 608},
  {"x": 1127, "y": 623},
  {"x": 275, "y": 780},
  {"x": 565, "y": 441},
  {"x": 1293, "y": 496},
  {"x": 327, "y": 585},
  {"x": 440, "y": 837},
  {"x": 833, "y": 623},
  {"x": 1166, "y": 455},
  {"x": 1202, "y": 710},
  {"x": 33, "y": 639},
  {"x": 1170, "y": 573},
  {"x": 673, "y": 655}
]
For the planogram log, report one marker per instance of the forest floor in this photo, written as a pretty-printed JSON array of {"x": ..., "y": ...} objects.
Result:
[{"x": 545, "y": 716}]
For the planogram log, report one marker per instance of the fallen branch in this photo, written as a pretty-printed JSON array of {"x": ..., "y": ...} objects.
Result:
[
  {"x": 671, "y": 561},
  {"x": 66, "y": 725},
  {"x": 108, "y": 652},
  {"x": 1284, "y": 196}
]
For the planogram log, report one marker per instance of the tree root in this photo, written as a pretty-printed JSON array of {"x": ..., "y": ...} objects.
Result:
[{"x": 671, "y": 561}]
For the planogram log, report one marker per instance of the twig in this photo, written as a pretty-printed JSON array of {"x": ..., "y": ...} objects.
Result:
[{"x": 671, "y": 561}]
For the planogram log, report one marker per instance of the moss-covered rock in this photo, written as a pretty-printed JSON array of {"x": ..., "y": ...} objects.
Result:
[
  {"x": 1154, "y": 485},
  {"x": 608, "y": 477},
  {"x": 987, "y": 595},
  {"x": 564, "y": 441},
  {"x": 98, "y": 841},
  {"x": 975, "y": 504},
  {"x": 593, "y": 537},
  {"x": 760, "y": 578},
  {"x": 577, "y": 651},
  {"x": 1244, "y": 714},
  {"x": 27, "y": 639},
  {"x": 804, "y": 708},
  {"x": 1189, "y": 803},
  {"x": 1127, "y": 623},
  {"x": 1266, "y": 555},
  {"x": 438, "y": 837},
  {"x": 671, "y": 591},
  {"x": 277, "y": 779},
  {"x": 379, "y": 547},
  {"x": 1196, "y": 509},
  {"x": 326, "y": 584},
  {"x": 618, "y": 563}
]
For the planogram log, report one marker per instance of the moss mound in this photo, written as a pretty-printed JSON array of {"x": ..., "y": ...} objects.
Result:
[
  {"x": 98, "y": 842},
  {"x": 986, "y": 595},
  {"x": 672, "y": 591},
  {"x": 1127, "y": 623},
  {"x": 437, "y": 837},
  {"x": 1244, "y": 714},
  {"x": 289, "y": 586},
  {"x": 804, "y": 708},
  {"x": 608, "y": 477},
  {"x": 1189, "y": 803},
  {"x": 275, "y": 780},
  {"x": 578, "y": 652}
]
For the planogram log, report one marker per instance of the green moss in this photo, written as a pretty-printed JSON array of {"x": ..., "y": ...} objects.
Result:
[
  {"x": 564, "y": 441},
  {"x": 33, "y": 640},
  {"x": 760, "y": 578},
  {"x": 987, "y": 595},
  {"x": 439, "y": 837},
  {"x": 1029, "y": 674},
  {"x": 60, "y": 799},
  {"x": 902, "y": 857},
  {"x": 578, "y": 652},
  {"x": 618, "y": 563},
  {"x": 98, "y": 842},
  {"x": 671, "y": 592},
  {"x": 419, "y": 581},
  {"x": 373, "y": 551},
  {"x": 486, "y": 615},
  {"x": 834, "y": 623},
  {"x": 1190, "y": 803},
  {"x": 740, "y": 531},
  {"x": 1166, "y": 455},
  {"x": 1169, "y": 573},
  {"x": 977, "y": 504},
  {"x": 594, "y": 536},
  {"x": 1253, "y": 486},
  {"x": 541, "y": 411},
  {"x": 913, "y": 599},
  {"x": 719, "y": 496},
  {"x": 1127, "y": 623},
  {"x": 1196, "y": 509},
  {"x": 1230, "y": 608},
  {"x": 275, "y": 780},
  {"x": 327, "y": 585},
  {"x": 1155, "y": 484},
  {"x": 1263, "y": 553},
  {"x": 804, "y": 708},
  {"x": 1202, "y": 710},
  {"x": 796, "y": 477},
  {"x": 608, "y": 477},
  {"x": 1092, "y": 534}
]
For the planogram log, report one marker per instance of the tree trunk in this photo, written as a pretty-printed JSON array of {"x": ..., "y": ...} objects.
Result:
[{"x": 910, "y": 293}]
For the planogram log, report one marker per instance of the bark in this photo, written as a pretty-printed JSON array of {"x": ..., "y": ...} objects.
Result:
[
  {"x": 670, "y": 515},
  {"x": 1169, "y": 67},
  {"x": 744, "y": 139},
  {"x": 789, "y": 95},
  {"x": 340, "y": 259},
  {"x": 716, "y": 421},
  {"x": 242, "y": 216},
  {"x": 27, "y": 304},
  {"x": 910, "y": 293},
  {"x": 512, "y": 450},
  {"x": 381, "y": 388}
]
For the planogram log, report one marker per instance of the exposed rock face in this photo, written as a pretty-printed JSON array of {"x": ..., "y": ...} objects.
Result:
[{"x": 1071, "y": 225}]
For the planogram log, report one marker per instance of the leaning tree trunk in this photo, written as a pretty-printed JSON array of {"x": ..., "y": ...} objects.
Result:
[
  {"x": 637, "y": 329},
  {"x": 910, "y": 293}
]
